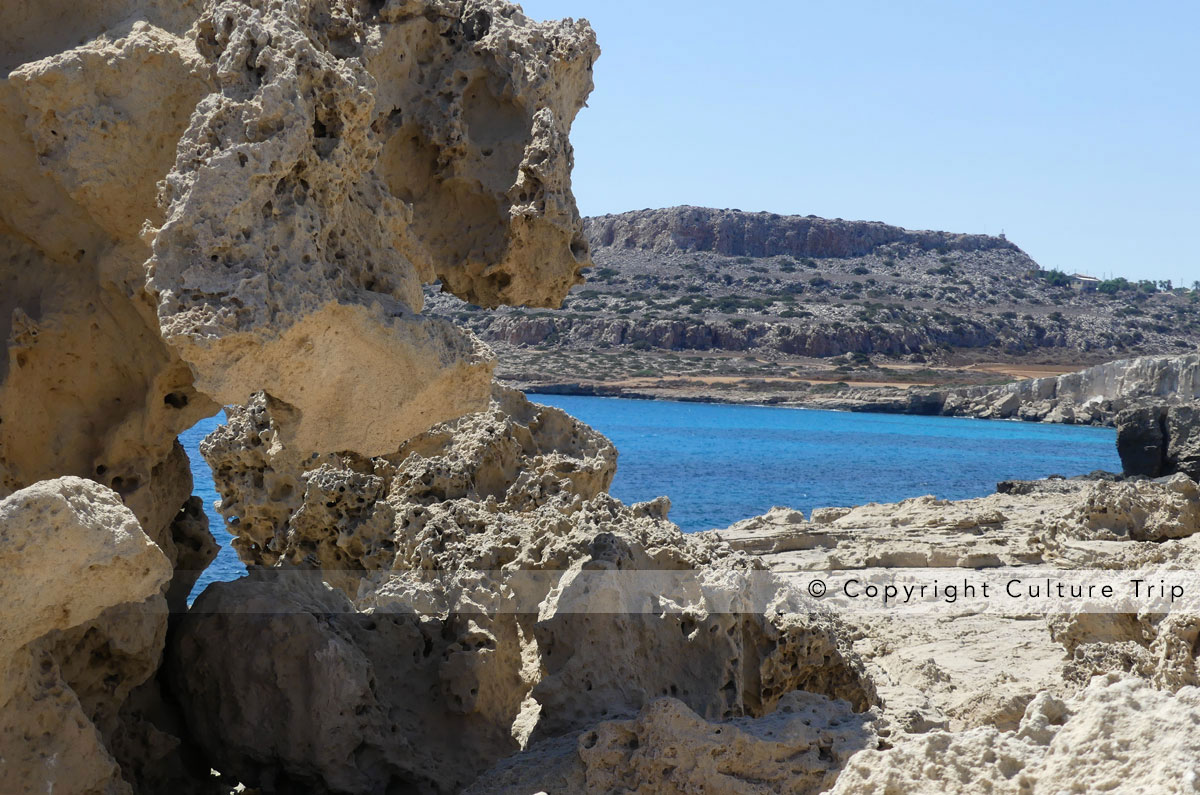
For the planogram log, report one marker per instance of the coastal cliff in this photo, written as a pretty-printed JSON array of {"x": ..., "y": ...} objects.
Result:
[
  {"x": 734, "y": 233},
  {"x": 694, "y": 293},
  {"x": 1152, "y": 401},
  {"x": 1092, "y": 396}
]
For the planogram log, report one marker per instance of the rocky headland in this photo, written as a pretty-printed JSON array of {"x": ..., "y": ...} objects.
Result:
[
  {"x": 243, "y": 204},
  {"x": 726, "y": 305}
]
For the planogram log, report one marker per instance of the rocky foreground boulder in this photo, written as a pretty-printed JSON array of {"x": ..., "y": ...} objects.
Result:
[
  {"x": 235, "y": 204},
  {"x": 1158, "y": 438},
  {"x": 1038, "y": 700}
]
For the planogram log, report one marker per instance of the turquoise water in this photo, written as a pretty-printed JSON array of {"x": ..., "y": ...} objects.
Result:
[{"x": 721, "y": 463}]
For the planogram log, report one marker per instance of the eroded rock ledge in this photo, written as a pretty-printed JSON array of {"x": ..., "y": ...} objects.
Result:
[
  {"x": 428, "y": 682},
  {"x": 1095, "y": 396},
  {"x": 1020, "y": 703},
  {"x": 211, "y": 199},
  {"x": 236, "y": 203}
]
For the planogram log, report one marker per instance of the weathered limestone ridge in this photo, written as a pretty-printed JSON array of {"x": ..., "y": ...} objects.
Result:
[
  {"x": 208, "y": 200},
  {"x": 760, "y": 234},
  {"x": 1092, "y": 396},
  {"x": 237, "y": 204}
]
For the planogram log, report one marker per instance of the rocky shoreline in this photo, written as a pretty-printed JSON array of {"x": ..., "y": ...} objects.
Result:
[
  {"x": 1093, "y": 396},
  {"x": 239, "y": 204}
]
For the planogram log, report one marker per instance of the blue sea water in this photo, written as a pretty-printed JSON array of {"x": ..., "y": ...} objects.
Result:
[
  {"x": 226, "y": 566},
  {"x": 721, "y": 463}
]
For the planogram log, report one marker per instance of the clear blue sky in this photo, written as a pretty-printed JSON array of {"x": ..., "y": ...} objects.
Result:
[{"x": 1072, "y": 126}]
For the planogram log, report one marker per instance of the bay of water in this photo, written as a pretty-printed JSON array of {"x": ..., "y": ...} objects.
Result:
[{"x": 721, "y": 463}]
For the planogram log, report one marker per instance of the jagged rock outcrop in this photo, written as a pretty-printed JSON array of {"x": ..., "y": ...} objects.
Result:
[
  {"x": 349, "y": 514},
  {"x": 346, "y": 158},
  {"x": 236, "y": 203},
  {"x": 90, "y": 113},
  {"x": 87, "y": 386},
  {"x": 1118, "y": 735},
  {"x": 458, "y": 635},
  {"x": 982, "y": 669},
  {"x": 733, "y": 232},
  {"x": 60, "y": 681},
  {"x": 1092, "y": 396},
  {"x": 1160, "y": 438},
  {"x": 211, "y": 198},
  {"x": 800, "y": 748}
]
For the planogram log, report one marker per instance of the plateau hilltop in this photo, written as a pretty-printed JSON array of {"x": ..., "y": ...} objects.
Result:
[{"x": 714, "y": 300}]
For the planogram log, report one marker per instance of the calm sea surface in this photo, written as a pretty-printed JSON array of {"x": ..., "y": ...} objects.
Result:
[{"x": 721, "y": 463}]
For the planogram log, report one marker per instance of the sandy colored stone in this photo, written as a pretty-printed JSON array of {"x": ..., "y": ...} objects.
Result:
[
  {"x": 237, "y": 202},
  {"x": 1053, "y": 522},
  {"x": 87, "y": 133},
  {"x": 87, "y": 386},
  {"x": 33, "y": 29},
  {"x": 1119, "y": 735},
  {"x": 407, "y": 696},
  {"x": 124, "y": 125},
  {"x": 105, "y": 117},
  {"x": 83, "y": 625},
  {"x": 475, "y": 137},
  {"x": 958, "y": 671},
  {"x": 348, "y": 156},
  {"x": 56, "y": 531},
  {"x": 1094, "y": 395},
  {"x": 799, "y": 748},
  {"x": 416, "y": 542},
  {"x": 348, "y": 514}
]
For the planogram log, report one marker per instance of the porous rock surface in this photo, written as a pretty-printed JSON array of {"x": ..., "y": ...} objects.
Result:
[
  {"x": 56, "y": 714},
  {"x": 236, "y": 203},
  {"x": 979, "y": 698},
  {"x": 1118, "y": 735},
  {"x": 970, "y": 670},
  {"x": 206, "y": 199},
  {"x": 799, "y": 748},
  {"x": 346, "y": 513},
  {"x": 394, "y": 567},
  {"x": 346, "y": 157}
]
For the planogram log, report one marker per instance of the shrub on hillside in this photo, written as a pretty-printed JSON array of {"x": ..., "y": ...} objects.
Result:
[{"x": 1056, "y": 278}]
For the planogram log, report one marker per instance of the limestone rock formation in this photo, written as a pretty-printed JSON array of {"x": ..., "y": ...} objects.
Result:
[
  {"x": 766, "y": 234},
  {"x": 383, "y": 696},
  {"x": 237, "y": 203},
  {"x": 1158, "y": 438},
  {"x": 978, "y": 669},
  {"x": 1119, "y": 735},
  {"x": 81, "y": 579},
  {"x": 86, "y": 135},
  {"x": 800, "y": 748},
  {"x": 208, "y": 199},
  {"x": 89, "y": 118},
  {"x": 1092, "y": 396},
  {"x": 348, "y": 514},
  {"x": 454, "y": 624},
  {"x": 347, "y": 157}
]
